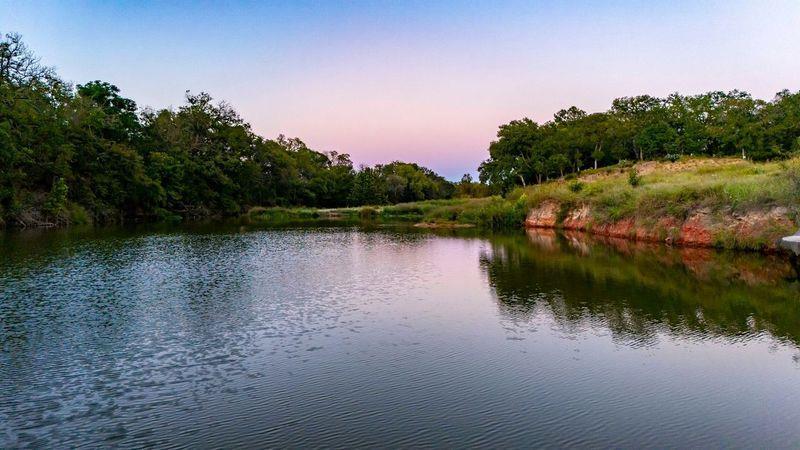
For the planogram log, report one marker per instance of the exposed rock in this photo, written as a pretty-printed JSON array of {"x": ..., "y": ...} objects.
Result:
[
  {"x": 620, "y": 229},
  {"x": 792, "y": 243},
  {"x": 578, "y": 219},
  {"x": 544, "y": 216},
  {"x": 696, "y": 230}
]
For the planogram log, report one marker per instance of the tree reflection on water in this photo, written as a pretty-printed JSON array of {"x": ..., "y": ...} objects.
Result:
[{"x": 638, "y": 290}]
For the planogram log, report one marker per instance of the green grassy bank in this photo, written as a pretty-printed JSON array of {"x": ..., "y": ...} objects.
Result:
[{"x": 658, "y": 189}]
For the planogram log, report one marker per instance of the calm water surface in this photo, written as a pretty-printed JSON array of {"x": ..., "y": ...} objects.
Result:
[{"x": 242, "y": 337}]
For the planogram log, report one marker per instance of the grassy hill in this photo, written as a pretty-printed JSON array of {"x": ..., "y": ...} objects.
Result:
[{"x": 674, "y": 189}]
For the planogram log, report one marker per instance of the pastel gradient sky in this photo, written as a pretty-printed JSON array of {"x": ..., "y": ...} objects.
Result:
[{"x": 419, "y": 81}]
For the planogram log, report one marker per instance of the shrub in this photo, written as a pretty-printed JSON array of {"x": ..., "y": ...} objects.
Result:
[
  {"x": 672, "y": 157},
  {"x": 56, "y": 202},
  {"x": 577, "y": 186},
  {"x": 634, "y": 179}
]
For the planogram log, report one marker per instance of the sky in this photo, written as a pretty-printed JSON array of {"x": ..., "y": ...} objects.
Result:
[{"x": 421, "y": 81}]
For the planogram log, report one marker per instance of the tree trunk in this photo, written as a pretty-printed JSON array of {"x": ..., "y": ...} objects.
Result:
[
  {"x": 595, "y": 164},
  {"x": 743, "y": 155},
  {"x": 521, "y": 178},
  {"x": 636, "y": 152}
]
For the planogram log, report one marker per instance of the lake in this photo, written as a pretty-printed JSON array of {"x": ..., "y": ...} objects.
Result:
[{"x": 239, "y": 336}]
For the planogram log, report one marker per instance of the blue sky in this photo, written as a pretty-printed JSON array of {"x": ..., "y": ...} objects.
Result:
[{"x": 417, "y": 81}]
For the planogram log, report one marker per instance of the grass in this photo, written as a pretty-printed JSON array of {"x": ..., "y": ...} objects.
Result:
[
  {"x": 493, "y": 213},
  {"x": 489, "y": 212},
  {"x": 283, "y": 215},
  {"x": 674, "y": 189}
]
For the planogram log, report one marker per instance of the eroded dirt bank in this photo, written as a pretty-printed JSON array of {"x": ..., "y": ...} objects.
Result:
[{"x": 758, "y": 229}]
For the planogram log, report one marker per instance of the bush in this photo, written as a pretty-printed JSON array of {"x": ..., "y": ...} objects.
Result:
[
  {"x": 577, "y": 186},
  {"x": 672, "y": 157},
  {"x": 56, "y": 202},
  {"x": 634, "y": 179}
]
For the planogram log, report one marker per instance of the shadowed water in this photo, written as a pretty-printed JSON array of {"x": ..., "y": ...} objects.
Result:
[{"x": 244, "y": 337}]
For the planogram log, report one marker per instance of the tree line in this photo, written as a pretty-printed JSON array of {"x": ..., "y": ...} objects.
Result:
[
  {"x": 644, "y": 128},
  {"x": 87, "y": 152}
]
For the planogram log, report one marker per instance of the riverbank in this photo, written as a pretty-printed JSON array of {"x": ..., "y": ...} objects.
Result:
[
  {"x": 695, "y": 202},
  {"x": 724, "y": 203}
]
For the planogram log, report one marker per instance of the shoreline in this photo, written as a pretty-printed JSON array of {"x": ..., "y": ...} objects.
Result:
[
  {"x": 767, "y": 230},
  {"x": 762, "y": 230}
]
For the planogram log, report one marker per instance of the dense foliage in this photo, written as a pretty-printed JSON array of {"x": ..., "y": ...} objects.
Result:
[
  {"x": 643, "y": 128},
  {"x": 86, "y": 152}
]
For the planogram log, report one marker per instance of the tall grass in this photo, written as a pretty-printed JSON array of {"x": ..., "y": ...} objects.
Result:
[{"x": 490, "y": 212}]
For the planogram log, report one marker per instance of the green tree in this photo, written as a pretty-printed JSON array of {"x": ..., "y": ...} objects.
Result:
[
  {"x": 511, "y": 155},
  {"x": 367, "y": 189}
]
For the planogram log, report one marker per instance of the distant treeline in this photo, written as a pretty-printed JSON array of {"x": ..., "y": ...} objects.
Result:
[
  {"x": 82, "y": 153},
  {"x": 87, "y": 153},
  {"x": 644, "y": 128}
]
